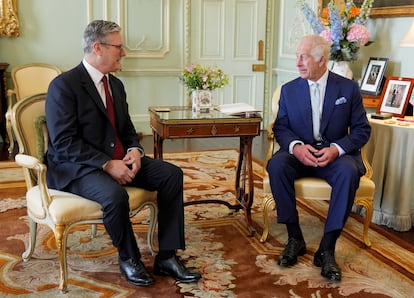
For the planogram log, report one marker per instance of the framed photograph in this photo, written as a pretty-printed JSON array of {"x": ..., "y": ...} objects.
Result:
[
  {"x": 373, "y": 79},
  {"x": 396, "y": 95}
]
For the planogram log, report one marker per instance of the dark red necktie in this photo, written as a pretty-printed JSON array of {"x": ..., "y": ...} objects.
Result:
[{"x": 119, "y": 149}]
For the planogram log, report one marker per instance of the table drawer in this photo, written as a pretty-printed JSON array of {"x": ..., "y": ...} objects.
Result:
[{"x": 211, "y": 130}]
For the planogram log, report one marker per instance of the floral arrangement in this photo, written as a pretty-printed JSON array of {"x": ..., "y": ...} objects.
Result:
[
  {"x": 200, "y": 77},
  {"x": 344, "y": 29}
]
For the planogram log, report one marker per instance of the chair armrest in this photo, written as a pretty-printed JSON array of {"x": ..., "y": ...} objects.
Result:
[
  {"x": 26, "y": 161},
  {"x": 271, "y": 141},
  {"x": 367, "y": 165},
  {"x": 32, "y": 163},
  {"x": 11, "y": 99}
]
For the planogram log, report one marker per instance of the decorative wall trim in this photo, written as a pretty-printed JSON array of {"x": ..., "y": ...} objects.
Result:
[{"x": 9, "y": 21}]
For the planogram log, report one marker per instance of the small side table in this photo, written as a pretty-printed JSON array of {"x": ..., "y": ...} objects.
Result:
[{"x": 3, "y": 100}]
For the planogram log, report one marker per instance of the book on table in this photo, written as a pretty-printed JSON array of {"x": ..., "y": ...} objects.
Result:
[{"x": 238, "y": 109}]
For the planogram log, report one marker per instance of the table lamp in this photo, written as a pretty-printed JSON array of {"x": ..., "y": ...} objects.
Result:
[{"x": 408, "y": 41}]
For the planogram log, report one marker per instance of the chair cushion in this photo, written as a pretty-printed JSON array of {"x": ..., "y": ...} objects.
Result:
[
  {"x": 65, "y": 207},
  {"x": 318, "y": 189}
]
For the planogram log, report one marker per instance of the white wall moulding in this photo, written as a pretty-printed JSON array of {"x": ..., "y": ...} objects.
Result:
[{"x": 146, "y": 24}]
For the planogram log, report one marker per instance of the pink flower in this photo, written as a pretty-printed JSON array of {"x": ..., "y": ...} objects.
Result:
[
  {"x": 327, "y": 35},
  {"x": 189, "y": 68},
  {"x": 358, "y": 33}
]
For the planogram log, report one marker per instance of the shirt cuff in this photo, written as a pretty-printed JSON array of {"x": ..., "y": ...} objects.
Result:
[
  {"x": 139, "y": 149},
  {"x": 292, "y": 144},
  {"x": 341, "y": 151}
]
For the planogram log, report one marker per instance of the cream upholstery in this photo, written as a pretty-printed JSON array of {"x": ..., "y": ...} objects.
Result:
[
  {"x": 315, "y": 188},
  {"x": 28, "y": 80},
  {"x": 60, "y": 210}
]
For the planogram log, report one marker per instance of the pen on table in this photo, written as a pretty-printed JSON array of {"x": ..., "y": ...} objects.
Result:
[{"x": 405, "y": 120}]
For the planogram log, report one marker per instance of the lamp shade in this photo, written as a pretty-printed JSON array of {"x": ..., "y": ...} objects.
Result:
[{"x": 408, "y": 40}]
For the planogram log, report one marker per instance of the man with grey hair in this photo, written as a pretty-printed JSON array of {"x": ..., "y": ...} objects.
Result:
[
  {"x": 321, "y": 126},
  {"x": 94, "y": 151}
]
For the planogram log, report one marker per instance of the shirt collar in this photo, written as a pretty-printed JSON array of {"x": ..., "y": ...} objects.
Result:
[
  {"x": 95, "y": 74},
  {"x": 322, "y": 80}
]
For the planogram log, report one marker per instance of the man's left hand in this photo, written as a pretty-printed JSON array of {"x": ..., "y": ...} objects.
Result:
[{"x": 133, "y": 160}]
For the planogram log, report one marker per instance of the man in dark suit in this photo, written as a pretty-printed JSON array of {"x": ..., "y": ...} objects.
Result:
[
  {"x": 321, "y": 140},
  {"x": 88, "y": 157}
]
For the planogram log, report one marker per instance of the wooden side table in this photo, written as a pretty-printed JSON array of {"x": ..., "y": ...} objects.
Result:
[
  {"x": 3, "y": 100},
  {"x": 175, "y": 122},
  {"x": 371, "y": 101}
]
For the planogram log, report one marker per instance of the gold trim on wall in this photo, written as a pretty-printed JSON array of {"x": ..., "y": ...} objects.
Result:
[
  {"x": 392, "y": 11},
  {"x": 9, "y": 22}
]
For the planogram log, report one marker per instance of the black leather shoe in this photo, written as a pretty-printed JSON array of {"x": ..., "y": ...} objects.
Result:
[
  {"x": 175, "y": 268},
  {"x": 330, "y": 268},
  {"x": 293, "y": 249},
  {"x": 135, "y": 272}
]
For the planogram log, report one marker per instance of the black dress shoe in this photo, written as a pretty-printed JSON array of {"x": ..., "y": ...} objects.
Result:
[
  {"x": 330, "y": 268},
  {"x": 175, "y": 268},
  {"x": 135, "y": 272},
  {"x": 293, "y": 249}
]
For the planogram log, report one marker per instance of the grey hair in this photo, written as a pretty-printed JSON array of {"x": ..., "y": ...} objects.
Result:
[{"x": 96, "y": 31}]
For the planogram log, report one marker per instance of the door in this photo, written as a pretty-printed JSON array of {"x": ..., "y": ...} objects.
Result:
[{"x": 231, "y": 35}]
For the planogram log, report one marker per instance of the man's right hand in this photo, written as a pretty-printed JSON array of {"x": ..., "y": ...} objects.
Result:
[
  {"x": 120, "y": 171},
  {"x": 306, "y": 154}
]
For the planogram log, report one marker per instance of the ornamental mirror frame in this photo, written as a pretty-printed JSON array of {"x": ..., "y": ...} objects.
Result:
[{"x": 9, "y": 21}]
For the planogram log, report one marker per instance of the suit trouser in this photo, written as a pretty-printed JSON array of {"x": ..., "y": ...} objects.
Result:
[
  {"x": 154, "y": 174},
  {"x": 343, "y": 176}
]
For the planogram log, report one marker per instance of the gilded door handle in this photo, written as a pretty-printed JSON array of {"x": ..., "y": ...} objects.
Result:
[
  {"x": 259, "y": 67},
  {"x": 260, "y": 50}
]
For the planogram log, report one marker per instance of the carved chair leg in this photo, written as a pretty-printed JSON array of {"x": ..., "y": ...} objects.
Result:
[
  {"x": 268, "y": 201},
  {"x": 367, "y": 203}
]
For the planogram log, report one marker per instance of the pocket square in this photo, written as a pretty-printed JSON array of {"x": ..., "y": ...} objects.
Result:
[{"x": 340, "y": 101}]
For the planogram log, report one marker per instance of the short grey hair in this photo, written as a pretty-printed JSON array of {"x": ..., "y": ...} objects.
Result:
[
  {"x": 320, "y": 47},
  {"x": 96, "y": 31}
]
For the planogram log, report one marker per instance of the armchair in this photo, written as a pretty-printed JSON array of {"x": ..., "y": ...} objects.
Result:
[
  {"x": 28, "y": 80},
  {"x": 59, "y": 210},
  {"x": 311, "y": 188}
]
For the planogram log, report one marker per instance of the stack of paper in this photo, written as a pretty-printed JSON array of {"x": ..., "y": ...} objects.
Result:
[{"x": 237, "y": 109}]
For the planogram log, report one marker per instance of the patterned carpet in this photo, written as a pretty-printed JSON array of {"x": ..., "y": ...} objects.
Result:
[{"x": 232, "y": 264}]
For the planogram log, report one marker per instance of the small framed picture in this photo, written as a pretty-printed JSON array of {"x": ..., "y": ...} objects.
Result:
[
  {"x": 373, "y": 79},
  {"x": 396, "y": 95}
]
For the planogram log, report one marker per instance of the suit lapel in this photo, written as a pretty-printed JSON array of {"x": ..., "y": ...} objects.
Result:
[
  {"x": 304, "y": 104},
  {"x": 90, "y": 88},
  {"x": 331, "y": 93}
]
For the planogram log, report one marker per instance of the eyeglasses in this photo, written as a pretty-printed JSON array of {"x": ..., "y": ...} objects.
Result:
[{"x": 119, "y": 47}]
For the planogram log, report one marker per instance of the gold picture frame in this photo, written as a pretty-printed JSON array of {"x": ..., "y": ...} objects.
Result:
[
  {"x": 392, "y": 11},
  {"x": 9, "y": 21},
  {"x": 380, "y": 8}
]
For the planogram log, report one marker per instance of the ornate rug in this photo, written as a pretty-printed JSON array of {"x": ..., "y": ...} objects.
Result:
[{"x": 232, "y": 264}]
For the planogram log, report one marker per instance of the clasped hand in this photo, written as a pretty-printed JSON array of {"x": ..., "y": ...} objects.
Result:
[
  {"x": 313, "y": 157},
  {"x": 124, "y": 171}
]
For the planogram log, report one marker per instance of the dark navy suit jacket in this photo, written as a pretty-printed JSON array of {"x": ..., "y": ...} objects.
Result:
[
  {"x": 343, "y": 119},
  {"x": 81, "y": 135}
]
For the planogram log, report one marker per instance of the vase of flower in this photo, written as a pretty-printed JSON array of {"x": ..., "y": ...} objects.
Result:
[
  {"x": 342, "y": 68},
  {"x": 201, "y": 82},
  {"x": 202, "y": 100},
  {"x": 344, "y": 27}
]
